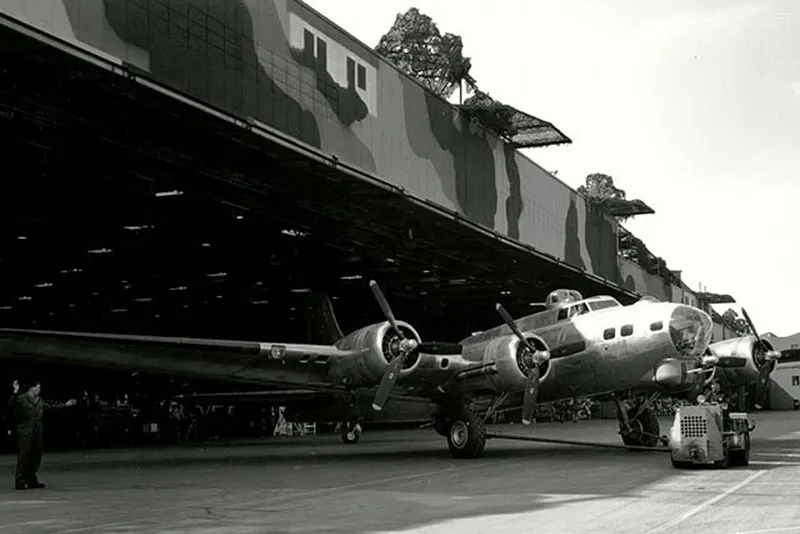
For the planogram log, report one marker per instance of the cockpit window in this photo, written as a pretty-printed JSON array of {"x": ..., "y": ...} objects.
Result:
[
  {"x": 602, "y": 304},
  {"x": 578, "y": 309}
]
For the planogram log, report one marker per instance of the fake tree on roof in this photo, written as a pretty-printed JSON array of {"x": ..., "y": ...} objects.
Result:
[
  {"x": 601, "y": 191},
  {"x": 732, "y": 320},
  {"x": 416, "y": 46}
]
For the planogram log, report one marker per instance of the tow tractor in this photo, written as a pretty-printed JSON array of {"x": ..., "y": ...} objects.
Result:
[{"x": 709, "y": 434}]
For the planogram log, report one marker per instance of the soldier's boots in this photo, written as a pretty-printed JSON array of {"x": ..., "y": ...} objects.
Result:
[{"x": 29, "y": 485}]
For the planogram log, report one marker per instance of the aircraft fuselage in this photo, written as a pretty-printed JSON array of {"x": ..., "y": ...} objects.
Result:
[{"x": 604, "y": 351}]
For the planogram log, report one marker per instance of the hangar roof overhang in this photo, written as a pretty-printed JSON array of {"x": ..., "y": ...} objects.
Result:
[{"x": 189, "y": 227}]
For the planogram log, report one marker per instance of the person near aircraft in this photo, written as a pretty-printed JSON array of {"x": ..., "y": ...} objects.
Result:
[{"x": 29, "y": 410}]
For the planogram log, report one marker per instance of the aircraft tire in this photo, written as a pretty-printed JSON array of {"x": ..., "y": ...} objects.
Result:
[
  {"x": 648, "y": 424},
  {"x": 467, "y": 436},
  {"x": 351, "y": 436}
]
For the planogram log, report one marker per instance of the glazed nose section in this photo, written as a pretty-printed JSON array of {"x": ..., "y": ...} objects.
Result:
[{"x": 690, "y": 330}]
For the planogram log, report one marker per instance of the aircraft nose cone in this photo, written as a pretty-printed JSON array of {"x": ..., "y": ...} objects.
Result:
[{"x": 690, "y": 330}]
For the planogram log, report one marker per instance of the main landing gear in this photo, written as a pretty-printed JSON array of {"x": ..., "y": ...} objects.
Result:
[
  {"x": 465, "y": 432},
  {"x": 638, "y": 423},
  {"x": 464, "y": 426}
]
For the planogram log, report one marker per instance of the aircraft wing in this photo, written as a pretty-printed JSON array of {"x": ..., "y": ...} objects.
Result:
[
  {"x": 239, "y": 361},
  {"x": 258, "y": 397},
  {"x": 284, "y": 396},
  {"x": 790, "y": 355}
]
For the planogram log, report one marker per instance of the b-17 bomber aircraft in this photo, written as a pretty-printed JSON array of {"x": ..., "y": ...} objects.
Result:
[{"x": 575, "y": 347}]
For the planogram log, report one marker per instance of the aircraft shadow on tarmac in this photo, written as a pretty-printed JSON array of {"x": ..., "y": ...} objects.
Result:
[{"x": 275, "y": 452}]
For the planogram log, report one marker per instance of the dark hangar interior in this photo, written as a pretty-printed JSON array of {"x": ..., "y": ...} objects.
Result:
[{"x": 124, "y": 210}]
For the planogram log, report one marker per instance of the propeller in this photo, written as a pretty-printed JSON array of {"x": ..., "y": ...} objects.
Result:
[
  {"x": 532, "y": 381},
  {"x": 405, "y": 347},
  {"x": 712, "y": 360},
  {"x": 768, "y": 354}
]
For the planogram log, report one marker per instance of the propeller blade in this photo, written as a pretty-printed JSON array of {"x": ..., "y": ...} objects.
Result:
[
  {"x": 531, "y": 395},
  {"x": 387, "y": 382},
  {"x": 434, "y": 347},
  {"x": 384, "y": 304},
  {"x": 753, "y": 329},
  {"x": 510, "y": 322}
]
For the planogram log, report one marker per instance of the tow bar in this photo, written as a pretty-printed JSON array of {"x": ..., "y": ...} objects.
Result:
[{"x": 578, "y": 443}]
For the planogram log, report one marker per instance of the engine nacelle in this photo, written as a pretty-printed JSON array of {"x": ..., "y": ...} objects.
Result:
[
  {"x": 513, "y": 361},
  {"x": 377, "y": 346},
  {"x": 749, "y": 349}
]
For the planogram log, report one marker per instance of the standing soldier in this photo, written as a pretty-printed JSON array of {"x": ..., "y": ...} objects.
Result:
[{"x": 28, "y": 412}]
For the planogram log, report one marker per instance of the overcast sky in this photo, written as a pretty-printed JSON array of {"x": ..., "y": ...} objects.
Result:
[{"x": 691, "y": 105}]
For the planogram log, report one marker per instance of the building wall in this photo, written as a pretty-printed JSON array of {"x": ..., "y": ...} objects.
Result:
[
  {"x": 721, "y": 332},
  {"x": 684, "y": 294},
  {"x": 784, "y": 386},
  {"x": 785, "y": 379},
  {"x": 278, "y": 62},
  {"x": 635, "y": 278}
]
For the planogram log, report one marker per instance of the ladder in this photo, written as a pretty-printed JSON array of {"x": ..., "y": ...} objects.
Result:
[{"x": 285, "y": 428}]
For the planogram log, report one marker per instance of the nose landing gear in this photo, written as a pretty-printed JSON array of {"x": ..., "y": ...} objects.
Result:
[{"x": 638, "y": 425}]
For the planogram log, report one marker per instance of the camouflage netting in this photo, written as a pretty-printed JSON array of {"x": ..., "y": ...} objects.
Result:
[
  {"x": 415, "y": 45},
  {"x": 623, "y": 208},
  {"x": 716, "y": 298},
  {"x": 634, "y": 249},
  {"x": 517, "y": 128}
]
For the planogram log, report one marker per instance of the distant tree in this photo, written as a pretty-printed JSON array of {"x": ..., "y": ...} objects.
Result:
[{"x": 416, "y": 46}]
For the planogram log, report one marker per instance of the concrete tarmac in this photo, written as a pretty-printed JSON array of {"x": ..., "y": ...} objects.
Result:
[{"x": 406, "y": 481}]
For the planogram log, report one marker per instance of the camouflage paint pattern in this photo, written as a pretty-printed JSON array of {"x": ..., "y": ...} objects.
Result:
[
  {"x": 635, "y": 278},
  {"x": 280, "y": 63},
  {"x": 684, "y": 295}
]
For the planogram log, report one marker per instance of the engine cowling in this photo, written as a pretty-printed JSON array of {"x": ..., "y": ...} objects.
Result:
[
  {"x": 509, "y": 356},
  {"x": 753, "y": 353},
  {"x": 377, "y": 345}
]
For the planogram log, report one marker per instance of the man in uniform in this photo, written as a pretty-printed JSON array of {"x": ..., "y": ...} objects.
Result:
[{"x": 28, "y": 412}]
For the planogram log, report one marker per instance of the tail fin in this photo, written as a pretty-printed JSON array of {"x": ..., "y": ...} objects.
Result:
[{"x": 321, "y": 325}]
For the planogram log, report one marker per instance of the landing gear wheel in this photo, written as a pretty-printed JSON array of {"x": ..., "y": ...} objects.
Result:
[
  {"x": 644, "y": 431},
  {"x": 351, "y": 434},
  {"x": 741, "y": 456},
  {"x": 467, "y": 436}
]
